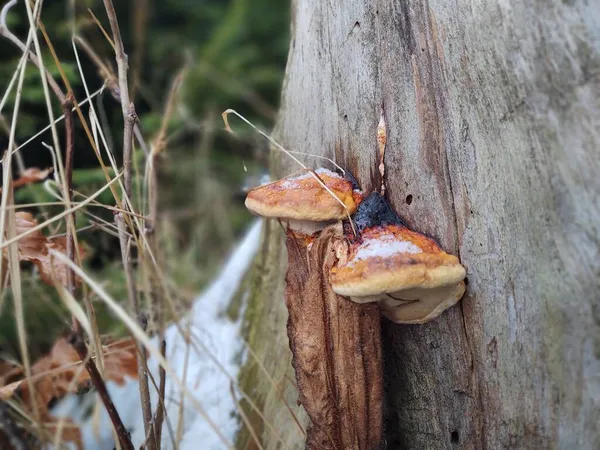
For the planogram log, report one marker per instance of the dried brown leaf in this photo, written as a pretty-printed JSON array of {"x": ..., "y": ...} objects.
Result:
[
  {"x": 53, "y": 375},
  {"x": 32, "y": 246},
  {"x": 35, "y": 248},
  {"x": 31, "y": 175},
  {"x": 51, "y": 268}
]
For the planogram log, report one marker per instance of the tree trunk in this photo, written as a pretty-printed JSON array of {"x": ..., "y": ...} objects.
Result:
[{"x": 493, "y": 149}]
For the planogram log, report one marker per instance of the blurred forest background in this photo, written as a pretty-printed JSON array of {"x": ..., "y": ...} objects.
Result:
[{"x": 231, "y": 54}]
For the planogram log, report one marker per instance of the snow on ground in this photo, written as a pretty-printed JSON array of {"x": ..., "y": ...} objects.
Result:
[{"x": 214, "y": 334}]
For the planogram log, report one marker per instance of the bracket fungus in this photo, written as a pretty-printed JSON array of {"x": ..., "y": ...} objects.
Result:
[
  {"x": 414, "y": 279},
  {"x": 305, "y": 201}
]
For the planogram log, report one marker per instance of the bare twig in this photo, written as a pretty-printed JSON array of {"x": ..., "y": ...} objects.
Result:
[
  {"x": 122, "y": 64},
  {"x": 76, "y": 341},
  {"x": 160, "y": 415},
  {"x": 144, "y": 390},
  {"x": 130, "y": 120},
  {"x": 158, "y": 146},
  {"x": 150, "y": 228},
  {"x": 69, "y": 135},
  {"x": 160, "y": 409},
  {"x": 128, "y": 109}
]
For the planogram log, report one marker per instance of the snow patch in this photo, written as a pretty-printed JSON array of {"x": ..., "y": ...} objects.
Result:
[
  {"x": 292, "y": 183},
  {"x": 383, "y": 247},
  {"x": 215, "y": 337}
]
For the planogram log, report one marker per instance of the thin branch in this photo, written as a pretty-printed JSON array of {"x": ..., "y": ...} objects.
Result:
[
  {"x": 69, "y": 146},
  {"x": 144, "y": 390},
  {"x": 160, "y": 409},
  {"x": 129, "y": 115},
  {"x": 158, "y": 146},
  {"x": 130, "y": 121},
  {"x": 123, "y": 435},
  {"x": 122, "y": 64},
  {"x": 160, "y": 415}
]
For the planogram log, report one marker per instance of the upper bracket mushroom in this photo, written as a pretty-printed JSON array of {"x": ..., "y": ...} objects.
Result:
[{"x": 303, "y": 202}]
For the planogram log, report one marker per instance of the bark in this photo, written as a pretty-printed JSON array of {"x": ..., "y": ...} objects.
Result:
[
  {"x": 336, "y": 348},
  {"x": 493, "y": 150}
]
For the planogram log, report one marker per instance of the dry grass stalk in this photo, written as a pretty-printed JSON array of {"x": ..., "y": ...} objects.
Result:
[{"x": 130, "y": 118}]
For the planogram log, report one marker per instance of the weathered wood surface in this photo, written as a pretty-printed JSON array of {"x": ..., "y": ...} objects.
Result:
[{"x": 493, "y": 149}]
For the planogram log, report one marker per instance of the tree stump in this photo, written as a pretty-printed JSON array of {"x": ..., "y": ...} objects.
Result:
[{"x": 493, "y": 149}]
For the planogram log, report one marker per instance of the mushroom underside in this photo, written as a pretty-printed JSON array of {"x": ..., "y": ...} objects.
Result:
[
  {"x": 306, "y": 227},
  {"x": 418, "y": 305}
]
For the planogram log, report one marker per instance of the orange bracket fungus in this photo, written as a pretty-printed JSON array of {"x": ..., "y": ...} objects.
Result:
[
  {"x": 408, "y": 272},
  {"x": 303, "y": 202}
]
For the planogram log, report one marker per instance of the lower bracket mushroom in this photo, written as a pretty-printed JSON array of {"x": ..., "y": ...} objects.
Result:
[{"x": 411, "y": 276}]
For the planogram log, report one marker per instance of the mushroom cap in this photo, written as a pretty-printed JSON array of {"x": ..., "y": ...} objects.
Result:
[
  {"x": 302, "y": 197},
  {"x": 427, "y": 304},
  {"x": 393, "y": 258}
]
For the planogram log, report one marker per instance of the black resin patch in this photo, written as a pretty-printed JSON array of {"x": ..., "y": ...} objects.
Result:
[{"x": 375, "y": 211}]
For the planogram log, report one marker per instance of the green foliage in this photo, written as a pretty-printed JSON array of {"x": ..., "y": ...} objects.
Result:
[{"x": 235, "y": 53}]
